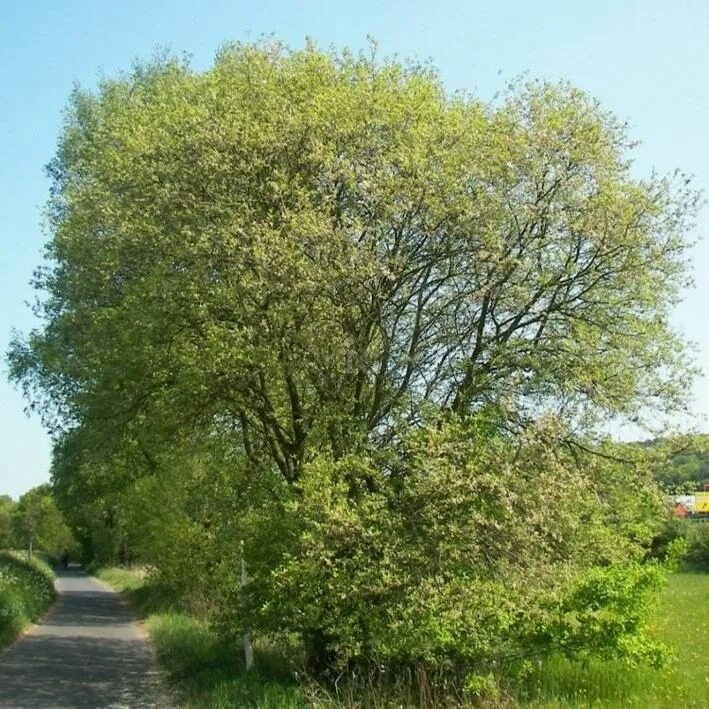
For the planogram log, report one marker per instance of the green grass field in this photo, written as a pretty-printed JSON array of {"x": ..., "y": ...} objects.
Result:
[
  {"x": 682, "y": 622},
  {"x": 207, "y": 672}
]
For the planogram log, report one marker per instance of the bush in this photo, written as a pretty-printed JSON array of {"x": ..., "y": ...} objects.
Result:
[
  {"x": 698, "y": 545},
  {"x": 673, "y": 530},
  {"x": 690, "y": 536},
  {"x": 26, "y": 591},
  {"x": 465, "y": 549}
]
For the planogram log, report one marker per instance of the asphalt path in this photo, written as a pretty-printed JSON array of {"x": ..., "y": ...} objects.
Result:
[{"x": 88, "y": 651}]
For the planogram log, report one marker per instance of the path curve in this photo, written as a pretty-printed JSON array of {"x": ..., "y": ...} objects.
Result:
[{"x": 88, "y": 651}]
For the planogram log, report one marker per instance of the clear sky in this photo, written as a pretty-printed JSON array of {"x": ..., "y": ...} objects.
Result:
[{"x": 646, "y": 60}]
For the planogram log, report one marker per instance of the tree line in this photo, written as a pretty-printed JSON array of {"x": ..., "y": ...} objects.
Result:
[
  {"x": 34, "y": 522},
  {"x": 687, "y": 470}
]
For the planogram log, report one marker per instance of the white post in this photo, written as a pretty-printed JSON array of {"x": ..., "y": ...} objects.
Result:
[{"x": 248, "y": 647}]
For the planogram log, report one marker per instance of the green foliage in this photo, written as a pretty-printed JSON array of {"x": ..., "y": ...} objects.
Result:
[
  {"x": 190, "y": 540},
  {"x": 673, "y": 530},
  {"x": 683, "y": 541},
  {"x": 295, "y": 246},
  {"x": 687, "y": 471},
  {"x": 26, "y": 591},
  {"x": 206, "y": 670},
  {"x": 467, "y": 549},
  {"x": 680, "y": 622},
  {"x": 36, "y": 517},
  {"x": 606, "y": 614},
  {"x": 698, "y": 545},
  {"x": 7, "y": 506},
  {"x": 310, "y": 303}
]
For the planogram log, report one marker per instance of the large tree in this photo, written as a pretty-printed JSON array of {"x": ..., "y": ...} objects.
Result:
[
  {"x": 300, "y": 247},
  {"x": 292, "y": 262}
]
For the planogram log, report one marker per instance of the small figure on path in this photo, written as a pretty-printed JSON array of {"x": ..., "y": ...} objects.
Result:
[{"x": 64, "y": 559}]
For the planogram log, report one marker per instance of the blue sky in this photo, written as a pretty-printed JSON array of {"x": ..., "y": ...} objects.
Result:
[{"x": 647, "y": 61}]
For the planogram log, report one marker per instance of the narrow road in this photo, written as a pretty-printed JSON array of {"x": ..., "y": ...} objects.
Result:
[{"x": 87, "y": 652}]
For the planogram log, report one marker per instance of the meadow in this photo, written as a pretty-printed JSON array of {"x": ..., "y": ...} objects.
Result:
[
  {"x": 682, "y": 622},
  {"x": 206, "y": 671}
]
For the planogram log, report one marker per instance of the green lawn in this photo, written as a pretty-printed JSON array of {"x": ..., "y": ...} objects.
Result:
[
  {"x": 682, "y": 622},
  {"x": 207, "y": 672}
]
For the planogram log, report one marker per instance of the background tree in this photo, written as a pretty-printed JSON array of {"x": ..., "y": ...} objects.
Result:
[
  {"x": 7, "y": 506},
  {"x": 38, "y": 524},
  {"x": 687, "y": 470}
]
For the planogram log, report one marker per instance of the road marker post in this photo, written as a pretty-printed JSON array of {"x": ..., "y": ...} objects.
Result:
[{"x": 248, "y": 646}]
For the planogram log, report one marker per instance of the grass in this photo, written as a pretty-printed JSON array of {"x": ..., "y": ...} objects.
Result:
[
  {"x": 207, "y": 671},
  {"x": 26, "y": 592},
  {"x": 203, "y": 669},
  {"x": 682, "y": 622},
  {"x": 123, "y": 580}
]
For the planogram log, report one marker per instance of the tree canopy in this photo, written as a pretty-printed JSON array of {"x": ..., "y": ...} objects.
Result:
[
  {"x": 323, "y": 286},
  {"x": 301, "y": 247}
]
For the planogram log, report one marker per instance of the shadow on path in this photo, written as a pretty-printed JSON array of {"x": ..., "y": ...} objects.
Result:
[{"x": 87, "y": 652}]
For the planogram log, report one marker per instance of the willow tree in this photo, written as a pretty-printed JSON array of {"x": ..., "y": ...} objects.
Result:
[{"x": 299, "y": 252}]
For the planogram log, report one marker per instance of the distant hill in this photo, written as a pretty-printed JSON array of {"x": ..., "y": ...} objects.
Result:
[{"x": 687, "y": 471}]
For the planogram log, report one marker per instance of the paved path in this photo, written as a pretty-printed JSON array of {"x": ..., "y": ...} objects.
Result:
[{"x": 87, "y": 652}]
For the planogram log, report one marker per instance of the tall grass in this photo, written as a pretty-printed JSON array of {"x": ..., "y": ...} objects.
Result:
[
  {"x": 208, "y": 671},
  {"x": 204, "y": 669},
  {"x": 26, "y": 592}
]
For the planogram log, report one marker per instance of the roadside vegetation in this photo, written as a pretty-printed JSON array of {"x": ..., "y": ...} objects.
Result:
[
  {"x": 26, "y": 592},
  {"x": 681, "y": 621},
  {"x": 206, "y": 671},
  {"x": 203, "y": 668},
  {"x": 35, "y": 523},
  {"x": 335, "y": 352}
]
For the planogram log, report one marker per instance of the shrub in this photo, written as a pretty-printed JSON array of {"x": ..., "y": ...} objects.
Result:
[
  {"x": 698, "y": 545},
  {"x": 674, "y": 529},
  {"x": 26, "y": 591},
  {"x": 689, "y": 537},
  {"x": 463, "y": 550}
]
